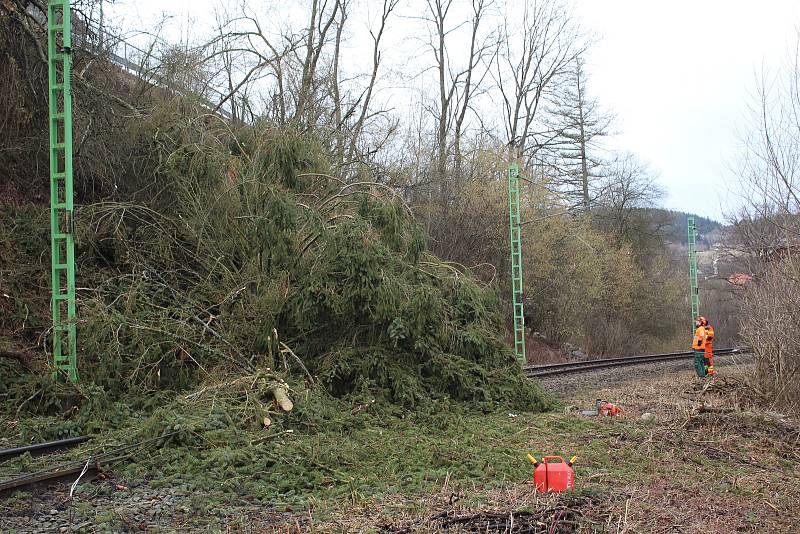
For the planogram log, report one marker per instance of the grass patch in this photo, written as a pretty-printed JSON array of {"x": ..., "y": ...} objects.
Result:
[
  {"x": 326, "y": 451},
  {"x": 352, "y": 465}
]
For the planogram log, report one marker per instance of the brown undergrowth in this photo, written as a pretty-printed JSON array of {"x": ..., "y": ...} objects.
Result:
[{"x": 714, "y": 461}]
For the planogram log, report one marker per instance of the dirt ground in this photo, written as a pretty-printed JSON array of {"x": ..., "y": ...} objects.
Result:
[{"x": 714, "y": 459}]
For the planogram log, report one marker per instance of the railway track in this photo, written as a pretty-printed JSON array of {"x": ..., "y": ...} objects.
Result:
[
  {"x": 85, "y": 468},
  {"x": 532, "y": 371},
  {"x": 94, "y": 464},
  {"x": 54, "y": 473},
  {"x": 42, "y": 448}
]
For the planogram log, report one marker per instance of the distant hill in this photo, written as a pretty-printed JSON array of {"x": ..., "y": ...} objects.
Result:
[{"x": 676, "y": 230}]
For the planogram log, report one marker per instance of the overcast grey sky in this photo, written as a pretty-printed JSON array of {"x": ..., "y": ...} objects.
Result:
[{"x": 679, "y": 76}]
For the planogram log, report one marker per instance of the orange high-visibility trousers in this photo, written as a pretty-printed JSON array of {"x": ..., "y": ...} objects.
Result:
[{"x": 709, "y": 357}]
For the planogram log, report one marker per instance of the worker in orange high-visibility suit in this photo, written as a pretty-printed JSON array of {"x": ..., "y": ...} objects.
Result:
[
  {"x": 702, "y": 347},
  {"x": 708, "y": 350}
]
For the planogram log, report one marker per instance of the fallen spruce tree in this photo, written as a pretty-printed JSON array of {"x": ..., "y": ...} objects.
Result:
[{"x": 234, "y": 253}]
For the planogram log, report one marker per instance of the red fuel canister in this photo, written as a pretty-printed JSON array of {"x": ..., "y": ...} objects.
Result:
[{"x": 553, "y": 474}]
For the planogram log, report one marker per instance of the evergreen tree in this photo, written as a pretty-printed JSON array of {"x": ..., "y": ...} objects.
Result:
[{"x": 577, "y": 124}]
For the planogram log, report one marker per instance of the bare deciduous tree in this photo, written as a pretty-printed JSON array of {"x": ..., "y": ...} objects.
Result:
[
  {"x": 769, "y": 225},
  {"x": 262, "y": 58},
  {"x": 480, "y": 50},
  {"x": 438, "y": 11},
  {"x": 627, "y": 187},
  {"x": 457, "y": 83},
  {"x": 300, "y": 74},
  {"x": 322, "y": 18},
  {"x": 532, "y": 58},
  {"x": 365, "y": 99}
]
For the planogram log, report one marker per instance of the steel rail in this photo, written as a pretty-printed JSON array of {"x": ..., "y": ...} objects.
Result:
[
  {"x": 96, "y": 463},
  {"x": 93, "y": 466},
  {"x": 574, "y": 367},
  {"x": 43, "y": 447}
]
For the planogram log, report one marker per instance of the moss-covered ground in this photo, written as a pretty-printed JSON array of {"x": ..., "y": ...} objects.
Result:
[{"x": 380, "y": 468}]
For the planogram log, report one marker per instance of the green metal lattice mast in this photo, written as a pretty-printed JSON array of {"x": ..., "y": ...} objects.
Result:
[
  {"x": 693, "y": 286},
  {"x": 516, "y": 261},
  {"x": 61, "y": 208}
]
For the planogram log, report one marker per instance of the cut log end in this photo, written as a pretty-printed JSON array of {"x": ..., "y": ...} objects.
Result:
[{"x": 282, "y": 397}]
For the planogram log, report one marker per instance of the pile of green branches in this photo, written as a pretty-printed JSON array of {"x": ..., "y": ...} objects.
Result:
[{"x": 242, "y": 251}]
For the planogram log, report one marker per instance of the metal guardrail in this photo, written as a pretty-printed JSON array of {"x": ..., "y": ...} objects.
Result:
[
  {"x": 90, "y": 37},
  {"x": 144, "y": 64}
]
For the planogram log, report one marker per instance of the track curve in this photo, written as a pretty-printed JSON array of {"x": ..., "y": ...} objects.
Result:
[{"x": 533, "y": 371}]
